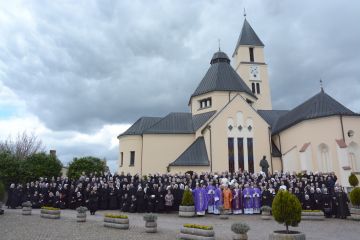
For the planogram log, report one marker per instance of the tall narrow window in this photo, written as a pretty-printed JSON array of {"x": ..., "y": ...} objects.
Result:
[
  {"x": 258, "y": 88},
  {"x": 251, "y": 52},
  {"x": 132, "y": 158},
  {"x": 231, "y": 154},
  {"x": 240, "y": 142},
  {"x": 250, "y": 155},
  {"x": 121, "y": 159},
  {"x": 253, "y": 87}
]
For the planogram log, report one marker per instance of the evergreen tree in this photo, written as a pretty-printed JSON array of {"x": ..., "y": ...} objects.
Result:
[{"x": 286, "y": 209}]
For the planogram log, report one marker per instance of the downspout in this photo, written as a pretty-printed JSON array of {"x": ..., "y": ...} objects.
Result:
[
  {"x": 211, "y": 163},
  {"x": 271, "y": 159},
  {"x": 281, "y": 158},
  {"x": 229, "y": 96},
  {"x": 141, "y": 158},
  {"x": 342, "y": 127}
]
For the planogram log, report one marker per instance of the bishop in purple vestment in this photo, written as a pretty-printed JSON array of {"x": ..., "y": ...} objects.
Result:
[
  {"x": 248, "y": 202},
  {"x": 237, "y": 200}
]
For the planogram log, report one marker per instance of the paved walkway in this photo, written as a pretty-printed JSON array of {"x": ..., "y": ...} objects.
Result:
[{"x": 15, "y": 226}]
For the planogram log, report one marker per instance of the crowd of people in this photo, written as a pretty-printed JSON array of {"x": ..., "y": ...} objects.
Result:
[{"x": 238, "y": 193}]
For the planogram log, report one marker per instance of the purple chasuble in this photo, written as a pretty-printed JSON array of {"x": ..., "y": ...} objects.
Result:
[
  {"x": 257, "y": 198},
  {"x": 247, "y": 195},
  {"x": 218, "y": 197},
  {"x": 200, "y": 199},
  {"x": 237, "y": 199}
]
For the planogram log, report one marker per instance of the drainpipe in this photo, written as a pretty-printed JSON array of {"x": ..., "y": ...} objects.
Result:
[
  {"x": 282, "y": 165},
  {"x": 211, "y": 163},
  {"x": 271, "y": 159},
  {"x": 141, "y": 158},
  {"x": 342, "y": 127}
]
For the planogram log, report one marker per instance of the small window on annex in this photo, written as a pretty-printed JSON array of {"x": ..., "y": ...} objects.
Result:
[
  {"x": 132, "y": 158},
  {"x": 205, "y": 103}
]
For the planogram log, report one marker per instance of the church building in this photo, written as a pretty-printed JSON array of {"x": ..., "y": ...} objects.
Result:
[{"x": 231, "y": 125}]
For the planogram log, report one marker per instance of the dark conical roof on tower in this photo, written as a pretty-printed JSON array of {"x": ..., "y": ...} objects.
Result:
[
  {"x": 248, "y": 37},
  {"x": 221, "y": 77}
]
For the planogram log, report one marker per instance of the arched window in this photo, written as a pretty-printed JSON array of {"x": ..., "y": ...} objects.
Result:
[
  {"x": 324, "y": 160},
  {"x": 354, "y": 157}
]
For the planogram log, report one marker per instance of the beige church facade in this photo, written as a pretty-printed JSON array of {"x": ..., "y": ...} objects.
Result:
[{"x": 231, "y": 125}]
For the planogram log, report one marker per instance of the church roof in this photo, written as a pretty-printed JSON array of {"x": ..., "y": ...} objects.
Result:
[
  {"x": 271, "y": 116},
  {"x": 248, "y": 36},
  {"x": 173, "y": 123},
  {"x": 140, "y": 125},
  {"x": 194, "y": 155},
  {"x": 320, "y": 105},
  {"x": 221, "y": 77}
]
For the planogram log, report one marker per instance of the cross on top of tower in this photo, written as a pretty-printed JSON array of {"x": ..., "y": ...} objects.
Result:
[
  {"x": 244, "y": 13},
  {"x": 321, "y": 85}
]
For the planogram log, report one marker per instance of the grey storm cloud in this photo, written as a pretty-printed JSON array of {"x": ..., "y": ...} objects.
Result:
[{"x": 82, "y": 64}]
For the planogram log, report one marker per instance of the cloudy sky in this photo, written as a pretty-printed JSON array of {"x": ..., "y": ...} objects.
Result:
[{"x": 77, "y": 73}]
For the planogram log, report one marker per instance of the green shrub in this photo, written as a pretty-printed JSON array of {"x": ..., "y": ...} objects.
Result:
[
  {"x": 353, "y": 180},
  {"x": 187, "y": 199},
  {"x": 81, "y": 209},
  {"x": 150, "y": 217},
  {"x": 49, "y": 208},
  {"x": 286, "y": 208},
  {"x": 197, "y": 226},
  {"x": 240, "y": 228},
  {"x": 2, "y": 191},
  {"x": 355, "y": 197},
  {"x": 311, "y": 210},
  {"x": 265, "y": 208},
  {"x": 26, "y": 204},
  {"x": 116, "y": 216}
]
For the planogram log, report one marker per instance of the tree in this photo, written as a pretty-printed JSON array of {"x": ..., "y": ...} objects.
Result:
[
  {"x": 40, "y": 165},
  {"x": 187, "y": 199},
  {"x": 9, "y": 168},
  {"x": 286, "y": 208},
  {"x": 353, "y": 180},
  {"x": 23, "y": 146},
  {"x": 2, "y": 191},
  {"x": 85, "y": 164},
  {"x": 355, "y": 197}
]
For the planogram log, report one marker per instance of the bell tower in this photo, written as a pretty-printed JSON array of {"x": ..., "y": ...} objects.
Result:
[{"x": 249, "y": 63}]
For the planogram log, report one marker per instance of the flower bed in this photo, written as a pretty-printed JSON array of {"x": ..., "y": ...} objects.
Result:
[
  {"x": 265, "y": 212},
  {"x": 312, "y": 215},
  {"x": 186, "y": 211},
  {"x": 355, "y": 214},
  {"x": 50, "y": 212},
  {"x": 197, "y": 232},
  {"x": 116, "y": 221},
  {"x": 81, "y": 214},
  {"x": 150, "y": 223},
  {"x": 26, "y": 208}
]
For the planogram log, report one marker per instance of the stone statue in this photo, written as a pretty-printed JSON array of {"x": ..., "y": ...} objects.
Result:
[{"x": 264, "y": 165}]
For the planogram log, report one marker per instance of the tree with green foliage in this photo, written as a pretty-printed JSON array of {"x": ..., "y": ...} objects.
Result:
[
  {"x": 355, "y": 197},
  {"x": 85, "y": 164},
  {"x": 187, "y": 199},
  {"x": 40, "y": 165},
  {"x": 353, "y": 180},
  {"x": 286, "y": 208},
  {"x": 2, "y": 191},
  {"x": 9, "y": 168}
]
